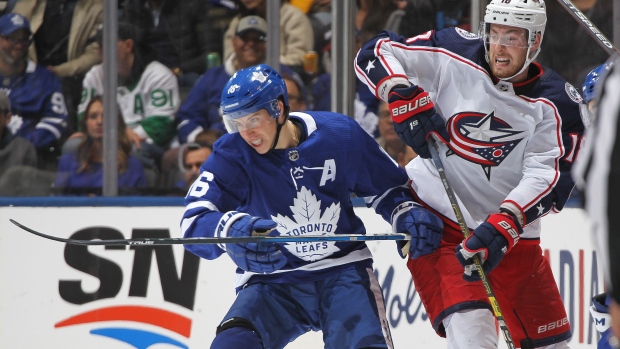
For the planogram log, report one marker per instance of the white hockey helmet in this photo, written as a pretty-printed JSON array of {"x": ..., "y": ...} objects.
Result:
[{"x": 530, "y": 15}]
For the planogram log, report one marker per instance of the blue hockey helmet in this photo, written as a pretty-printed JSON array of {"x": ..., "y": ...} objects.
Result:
[
  {"x": 250, "y": 90},
  {"x": 589, "y": 85}
]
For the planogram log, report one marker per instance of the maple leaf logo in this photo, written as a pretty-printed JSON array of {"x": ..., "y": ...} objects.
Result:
[{"x": 307, "y": 219}]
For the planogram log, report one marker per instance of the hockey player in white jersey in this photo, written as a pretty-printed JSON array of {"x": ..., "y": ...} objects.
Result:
[
  {"x": 295, "y": 173},
  {"x": 511, "y": 130}
]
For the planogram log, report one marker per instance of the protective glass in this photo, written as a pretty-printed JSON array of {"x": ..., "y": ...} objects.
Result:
[
  {"x": 245, "y": 123},
  {"x": 246, "y": 119},
  {"x": 509, "y": 38}
]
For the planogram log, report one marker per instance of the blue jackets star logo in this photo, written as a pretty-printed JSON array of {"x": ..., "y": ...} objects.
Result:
[
  {"x": 482, "y": 139},
  {"x": 370, "y": 66}
]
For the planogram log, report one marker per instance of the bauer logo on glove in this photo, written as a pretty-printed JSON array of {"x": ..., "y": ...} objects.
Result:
[
  {"x": 491, "y": 240},
  {"x": 415, "y": 118},
  {"x": 412, "y": 106}
]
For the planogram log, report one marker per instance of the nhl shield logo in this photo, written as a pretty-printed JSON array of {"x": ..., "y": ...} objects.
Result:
[{"x": 293, "y": 155}]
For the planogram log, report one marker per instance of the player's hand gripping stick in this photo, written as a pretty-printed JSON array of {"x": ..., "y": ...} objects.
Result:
[
  {"x": 415, "y": 118},
  {"x": 255, "y": 257},
  {"x": 425, "y": 228},
  {"x": 491, "y": 240}
]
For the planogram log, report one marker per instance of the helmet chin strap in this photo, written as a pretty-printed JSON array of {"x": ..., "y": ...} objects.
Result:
[
  {"x": 526, "y": 64},
  {"x": 279, "y": 128}
]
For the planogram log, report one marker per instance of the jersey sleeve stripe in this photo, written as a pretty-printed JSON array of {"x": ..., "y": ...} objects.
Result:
[{"x": 50, "y": 128}]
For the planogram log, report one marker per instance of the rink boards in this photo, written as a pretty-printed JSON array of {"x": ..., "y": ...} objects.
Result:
[{"x": 58, "y": 296}]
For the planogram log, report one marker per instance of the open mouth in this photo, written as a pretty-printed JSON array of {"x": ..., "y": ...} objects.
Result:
[{"x": 502, "y": 61}]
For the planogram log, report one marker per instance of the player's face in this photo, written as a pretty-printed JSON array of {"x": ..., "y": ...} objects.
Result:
[
  {"x": 15, "y": 46},
  {"x": 94, "y": 120},
  {"x": 507, "y": 50},
  {"x": 250, "y": 48},
  {"x": 258, "y": 130}
]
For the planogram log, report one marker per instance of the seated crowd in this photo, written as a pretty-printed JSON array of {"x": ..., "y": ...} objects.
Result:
[{"x": 170, "y": 80}]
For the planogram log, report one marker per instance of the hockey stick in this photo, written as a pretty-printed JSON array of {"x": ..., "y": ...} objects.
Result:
[
  {"x": 459, "y": 217},
  {"x": 589, "y": 27},
  {"x": 216, "y": 240}
]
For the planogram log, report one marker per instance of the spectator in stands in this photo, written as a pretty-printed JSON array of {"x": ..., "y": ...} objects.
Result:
[
  {"x": 172, "y": 163},
  {"x": 297, "y": 95},
  {"x": 193, "y": 156},
  {"x": 37, "y": 104},
  {"x": 147, "y": 93},
  {"x": 568, "y": 48},
  {"x": 296, "y": 37},
  {"x": 64, "y": 42},
  {"x": 201, "y": 110},
  {"x": 389, "y": 140},
  {"x": 81, "y": 172},
  {"x": 14, "y": 150},
  {"x": 373, "y": 16},
  {"x": 179, "y": 33}
]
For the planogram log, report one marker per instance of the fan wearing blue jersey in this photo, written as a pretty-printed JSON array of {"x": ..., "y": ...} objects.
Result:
[
  {"x": 510, "y": 130},
  {"x": 282, "y": 173},
  {"x": 37, "y": 102}
]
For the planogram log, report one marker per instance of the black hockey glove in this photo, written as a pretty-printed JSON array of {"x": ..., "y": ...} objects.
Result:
[
  {"x": 415, "y": 118},
  {"x": 263, "y": 257},
  {"x": 491, "y": 240}
]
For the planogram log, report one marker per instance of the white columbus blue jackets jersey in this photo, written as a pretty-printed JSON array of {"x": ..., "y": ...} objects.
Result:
[
  {"x": 305, "y": 189},
  {"x": 37, "y": 105},
  {"x": 512, "y": 145}
]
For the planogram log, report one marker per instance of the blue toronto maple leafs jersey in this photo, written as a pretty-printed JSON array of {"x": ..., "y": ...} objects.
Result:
[
  {"x": 305, "y": 189},
  {"x": 37, "y": 105},
  {"x": 511, "y": 145}
]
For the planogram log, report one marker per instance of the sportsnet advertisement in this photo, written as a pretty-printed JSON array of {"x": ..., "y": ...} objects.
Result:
[{"x": 56, "y": 295}]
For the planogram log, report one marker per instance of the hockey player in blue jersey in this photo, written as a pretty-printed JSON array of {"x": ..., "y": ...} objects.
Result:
[
  {"x": 37, "y": 102},
  {"x": 294, "y": 173},
  {"x": 511, "y": 130},
  {"x": 601, "y": 302},
  {"x": 589, "y": 88}
]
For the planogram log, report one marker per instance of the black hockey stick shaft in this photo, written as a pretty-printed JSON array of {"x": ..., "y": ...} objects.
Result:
[
  {"x": 434, "y": 149},
  {"x": 219, "y": 240},
  {"x": 589, "y": 27}
]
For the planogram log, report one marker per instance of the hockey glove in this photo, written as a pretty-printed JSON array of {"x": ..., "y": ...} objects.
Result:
[
  {"x": 491, "y": 240},
  {"x": 263, "y": 257},
  {"x": 425, "y": 228},
  {"x": 602, "y": 320},
  {"x": 415, "y": 118}
]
